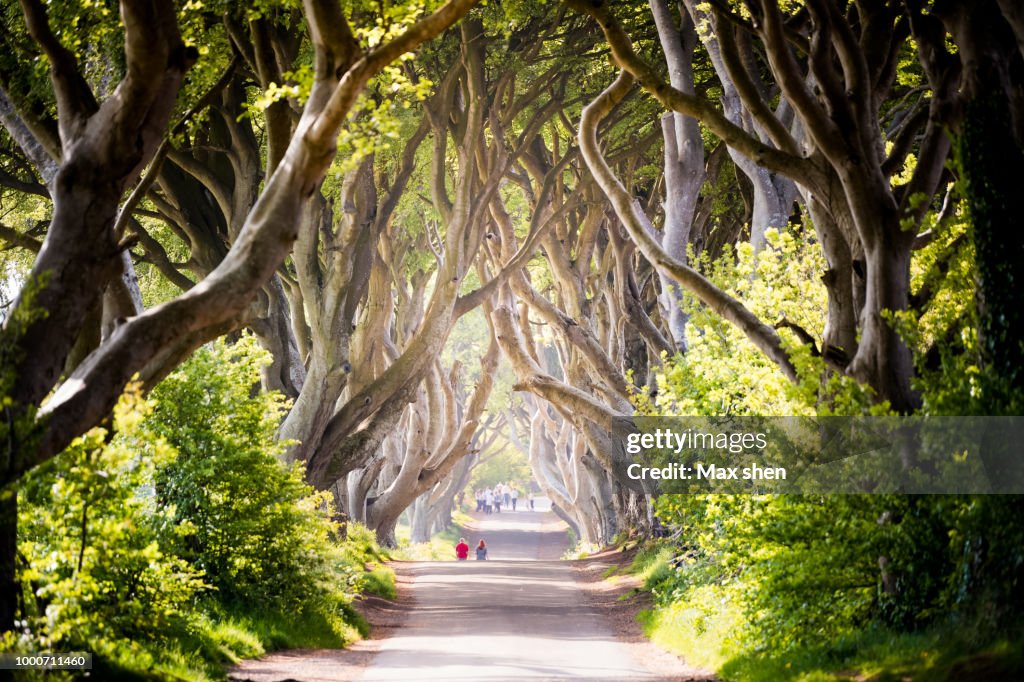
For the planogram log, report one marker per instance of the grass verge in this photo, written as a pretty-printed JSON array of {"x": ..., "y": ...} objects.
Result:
[
  {"x": 704, "y": 624},
  {"x": 440, "y": 547}
]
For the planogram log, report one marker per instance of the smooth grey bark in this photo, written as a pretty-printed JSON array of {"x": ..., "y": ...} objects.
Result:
[
  {"x": 447, "y": 435},
  {"x": 683, "y": 159},
  {"x": 639, "y": 227},
  {"x": 44, "y": 160},
  {"x": 262, "y": 243},
  {"x": 564, "y": 494},
  {"x": 348, "y": 440},
  {"x": 774, "y": 193},
  {"x": 431, "y": 512}
]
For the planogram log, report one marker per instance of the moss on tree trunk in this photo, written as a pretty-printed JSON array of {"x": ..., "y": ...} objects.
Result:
[{"x": 991, "y": 160}]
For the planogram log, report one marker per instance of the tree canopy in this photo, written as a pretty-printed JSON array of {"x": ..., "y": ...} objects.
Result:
[{"x": 460, "y": 228}]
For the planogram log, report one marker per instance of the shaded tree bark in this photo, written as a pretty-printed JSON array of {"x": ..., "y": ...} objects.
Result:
[
  {"x": 989, "y": 134},
  {"x": 104, "y": 147}
]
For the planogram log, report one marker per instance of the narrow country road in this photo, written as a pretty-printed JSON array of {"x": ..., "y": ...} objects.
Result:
[
  {"x": 518, "y": 616},
  {"x": 507, "y": 618}
]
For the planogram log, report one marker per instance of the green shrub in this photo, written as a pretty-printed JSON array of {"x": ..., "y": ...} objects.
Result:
[
  {"x": 177, "y": 543},
  {"x": 92, "y": 567},
  {"x": 782, "y": 584},
  {"x": 253, "y": 526}
]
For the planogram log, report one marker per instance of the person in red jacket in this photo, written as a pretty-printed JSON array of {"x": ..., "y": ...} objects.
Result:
[{"x": 462, "y": 550}]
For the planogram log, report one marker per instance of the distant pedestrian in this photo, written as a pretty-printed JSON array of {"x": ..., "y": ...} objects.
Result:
[
  {"x": 507, "y": 497},
  {"x": 497, "y": 502},
  {"x": 481, "y": 550},
  {"x": 488, "y": 500},
  {"x": 515, "y": 497},
  {"x": 531, "y": 501},
  {"x": 479, "y": 500},
  {"x": 462, "y": 550}
]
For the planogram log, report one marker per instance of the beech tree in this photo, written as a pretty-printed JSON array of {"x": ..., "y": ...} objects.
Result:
[
  {"x": 578, "y": 209},
  {"x": 870, "y": 214},
  {"x": 100, "y": 150},
  {"x": 868, "y": 154}
]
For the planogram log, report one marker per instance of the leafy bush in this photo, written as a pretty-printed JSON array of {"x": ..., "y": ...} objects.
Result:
[
  {"x": 177, "y": 542},
  {"x": 724, "y": 373},
  {"x": 91, "y": 562},
  {"x": 763, "y": 587},
  {"x": 772, "y": 587},
  {"x": 253, "y": 526}
]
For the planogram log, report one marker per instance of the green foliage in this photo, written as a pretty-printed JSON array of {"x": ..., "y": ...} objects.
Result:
[
  {"x": 937, "y": 655},
  {"x": 508, "y": 466},
  {"x": 381, "y": 115},
  {"x": 361, "y": 549},
  {"x": 91, "y": 558},
  {"x": 791, "y": 587},
  {"x": 176, "y": 543},
  {"x": 440, "y": 547},
  {"x": 249, "y": 523},
  {"x": 653, "y": 565},
  {"x": 953, "y": 376},
  {"x": 380, "y": 581},
  {"x": 724, "y": 373},
  {"x": 771, "y": 587}
]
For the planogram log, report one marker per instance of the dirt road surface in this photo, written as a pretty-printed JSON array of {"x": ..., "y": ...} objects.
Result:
[{"x": 520, "y": 615}]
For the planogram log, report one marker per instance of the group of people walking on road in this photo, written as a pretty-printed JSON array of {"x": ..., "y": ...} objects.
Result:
[
  {"x": 490, "y": 500},
  {"x": 462, "y": 550}
]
